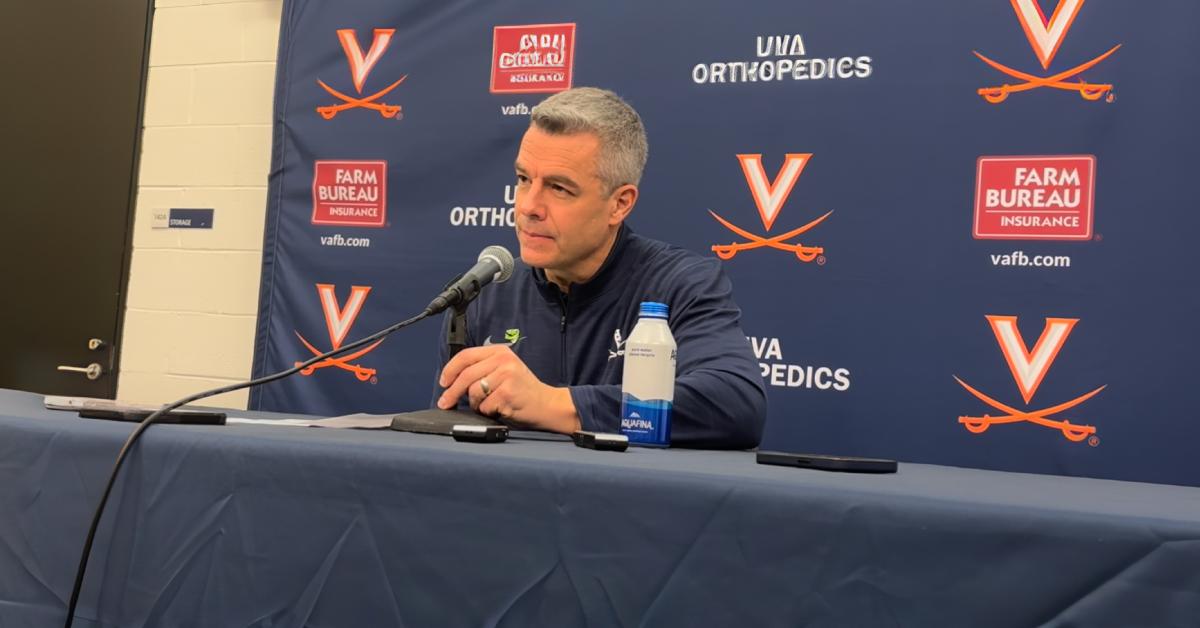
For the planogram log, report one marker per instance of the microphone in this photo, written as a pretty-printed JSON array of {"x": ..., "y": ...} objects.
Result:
[{"x": 495, "y": 264}]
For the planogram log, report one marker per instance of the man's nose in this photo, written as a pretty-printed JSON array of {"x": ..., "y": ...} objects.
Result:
[{"x": 529, "y": 202}]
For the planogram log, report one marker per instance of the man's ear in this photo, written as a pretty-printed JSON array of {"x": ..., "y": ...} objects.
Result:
[{"x": 624, "y": 198}]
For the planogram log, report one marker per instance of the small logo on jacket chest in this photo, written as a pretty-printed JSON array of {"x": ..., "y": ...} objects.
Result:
[{"x": 618, "y": 348}]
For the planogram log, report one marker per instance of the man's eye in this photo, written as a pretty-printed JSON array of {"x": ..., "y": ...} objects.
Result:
[
  {"x": 522, "y": 179},
  {"x": 560, "y": 189}
]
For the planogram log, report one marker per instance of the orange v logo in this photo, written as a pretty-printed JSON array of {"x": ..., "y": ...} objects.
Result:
[
  {"x": 1030, "y": 367},
  {"x": 770, "y": 196},
  {"x": 360, "y": 65},
  {"x": 1046, "y": 35},
  {"x": 339, "y": 320}
]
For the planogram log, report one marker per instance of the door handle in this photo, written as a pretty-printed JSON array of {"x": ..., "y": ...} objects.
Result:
[{"x": 93, "y": 370}]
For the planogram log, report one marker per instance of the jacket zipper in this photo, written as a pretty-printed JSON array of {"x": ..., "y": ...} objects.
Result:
[{"x": 562, "y": 341}]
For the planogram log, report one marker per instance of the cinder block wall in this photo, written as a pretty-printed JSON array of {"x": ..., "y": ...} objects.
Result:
[{"x": 193, "y": 293}]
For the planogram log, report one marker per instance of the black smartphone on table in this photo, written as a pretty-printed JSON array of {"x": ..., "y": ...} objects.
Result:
[{"x": 849, "y": 464}]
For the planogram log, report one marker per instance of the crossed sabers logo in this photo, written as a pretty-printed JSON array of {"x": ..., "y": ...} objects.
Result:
[
  {"x": 339, "y": 320},
  {"x": 1046, "y": 36},
  {"x": 770, "y": 197},
  {"x": 1028, "y": 369},
  {"x": 360, "y": 67}
]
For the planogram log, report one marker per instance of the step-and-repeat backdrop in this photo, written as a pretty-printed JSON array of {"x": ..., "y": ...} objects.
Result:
[{"x": 960, "y": 232}]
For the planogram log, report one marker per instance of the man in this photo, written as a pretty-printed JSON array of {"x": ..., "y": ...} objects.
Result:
[{"x": 547, "y": 346}]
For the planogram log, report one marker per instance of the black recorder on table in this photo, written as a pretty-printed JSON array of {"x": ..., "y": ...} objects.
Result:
[
  {"x": 601, "y": 441},
  {"x": 480, "y": 433}
]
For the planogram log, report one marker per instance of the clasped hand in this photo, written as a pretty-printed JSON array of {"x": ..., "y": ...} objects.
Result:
[{"x": 498, "y": 384}]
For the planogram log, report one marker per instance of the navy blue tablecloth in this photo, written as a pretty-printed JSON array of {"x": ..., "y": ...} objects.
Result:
[{"x": 282, "y": 526}]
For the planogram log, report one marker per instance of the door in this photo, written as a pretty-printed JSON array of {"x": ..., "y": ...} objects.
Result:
[{"x": 73, "y": 78}]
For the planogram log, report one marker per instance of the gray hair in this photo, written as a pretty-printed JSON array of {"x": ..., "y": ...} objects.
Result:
[{"x": 623, "y": 146}]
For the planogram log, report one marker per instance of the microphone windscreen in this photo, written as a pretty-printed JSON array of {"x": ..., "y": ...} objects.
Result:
[{"x": 502, "y": 257}]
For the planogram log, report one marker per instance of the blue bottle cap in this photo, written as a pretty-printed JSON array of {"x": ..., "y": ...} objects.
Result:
[{"x": 650, "y": 309}]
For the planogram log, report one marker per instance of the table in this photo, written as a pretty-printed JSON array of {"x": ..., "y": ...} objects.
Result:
[{"x": 283, "y": 526}]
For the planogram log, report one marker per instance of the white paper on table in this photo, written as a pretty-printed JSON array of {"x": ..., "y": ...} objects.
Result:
[
  {"x": 349, "y": 421},
  {"x": 278, "y": 422}
]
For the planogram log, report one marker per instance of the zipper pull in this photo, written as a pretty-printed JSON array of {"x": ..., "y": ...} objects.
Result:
[{"x": 562, "y": 324}]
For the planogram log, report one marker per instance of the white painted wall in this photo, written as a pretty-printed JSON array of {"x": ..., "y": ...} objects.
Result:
[{"x": 193, "y": 293}]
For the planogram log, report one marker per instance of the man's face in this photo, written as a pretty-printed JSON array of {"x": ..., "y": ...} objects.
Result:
[{"x": 566, "y": 217}]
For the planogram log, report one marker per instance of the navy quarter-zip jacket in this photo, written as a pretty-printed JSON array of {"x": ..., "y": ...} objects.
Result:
[{"x": 577, "y": 339}]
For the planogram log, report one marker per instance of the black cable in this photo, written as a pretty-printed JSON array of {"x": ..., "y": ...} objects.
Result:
[{"x": 112, "y": 478}]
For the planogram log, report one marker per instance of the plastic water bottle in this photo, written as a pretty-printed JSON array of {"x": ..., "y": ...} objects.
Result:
[{"x": 648, "y": 379}]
